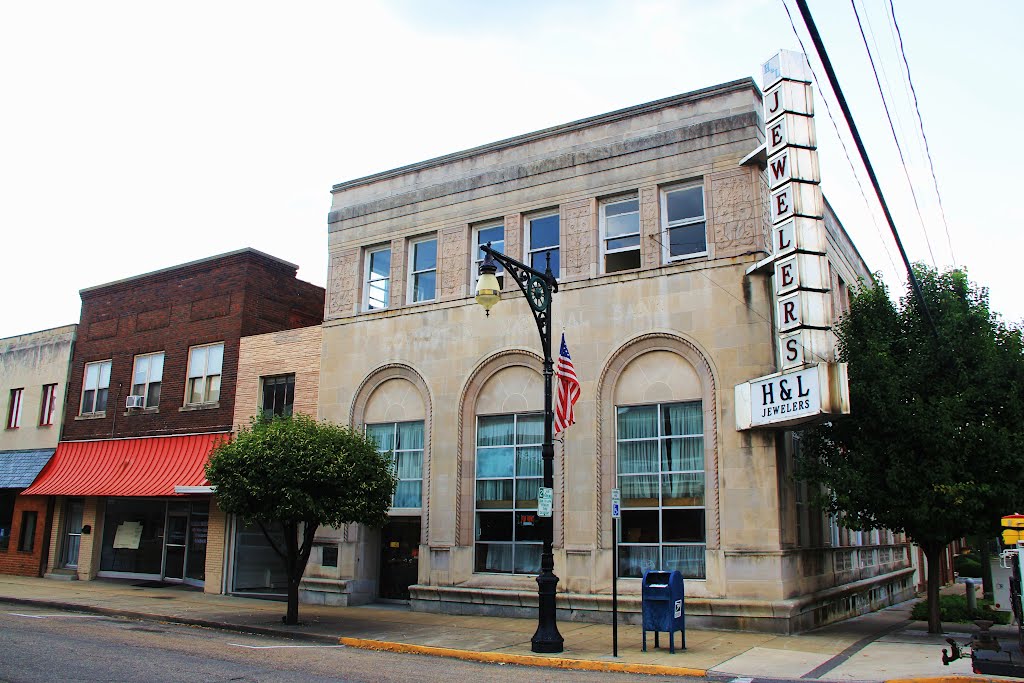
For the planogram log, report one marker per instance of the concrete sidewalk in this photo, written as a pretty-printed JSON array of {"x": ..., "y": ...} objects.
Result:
[{"x": 883, "y": 646}]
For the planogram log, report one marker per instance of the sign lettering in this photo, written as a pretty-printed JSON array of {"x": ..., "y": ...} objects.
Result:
[
  {"x": 778, "y": 169},
  {"x": 800, "y": 266}
]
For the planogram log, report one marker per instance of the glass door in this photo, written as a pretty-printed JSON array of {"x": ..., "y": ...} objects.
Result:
[
  {"x": 198, "y": 529},
  {"x": 399, "y": 552},
  {"x": 72, "y": 533},
  {"x": 174, "y": 541}
]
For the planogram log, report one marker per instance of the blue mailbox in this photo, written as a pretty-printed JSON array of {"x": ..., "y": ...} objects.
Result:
[{"x": 663, "y": 606}]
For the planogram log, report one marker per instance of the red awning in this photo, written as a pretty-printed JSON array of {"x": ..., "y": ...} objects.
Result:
[{"x": 150, "y": 466}]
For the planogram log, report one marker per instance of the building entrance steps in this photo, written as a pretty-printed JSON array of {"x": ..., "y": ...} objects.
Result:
[{"x": 881, "y": 646}]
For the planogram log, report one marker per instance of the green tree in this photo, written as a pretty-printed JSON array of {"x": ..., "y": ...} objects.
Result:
[
  {"x": 934, "y": 443},
  {"x": 300, "y": 474}
]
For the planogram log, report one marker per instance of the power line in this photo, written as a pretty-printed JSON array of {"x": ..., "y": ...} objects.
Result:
[
  {"x": 842, "y": 143},
  {"x": 834, "y": 82},
  {"x": 920, "y": 122},
  {"x": 903, "y": 161}
]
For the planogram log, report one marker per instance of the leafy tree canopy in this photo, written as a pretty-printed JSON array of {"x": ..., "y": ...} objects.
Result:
[
  {"x": 934, "y": 443},
  {"x": 301, "y": 474},
  {"x": 298, "y": 469}
]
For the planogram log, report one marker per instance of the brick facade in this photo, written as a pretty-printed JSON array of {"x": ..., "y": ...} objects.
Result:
[
  {"x": 27, "y": 562},
  {"x": 219, "y": 299},
  {"x": 279, "y": 353}
]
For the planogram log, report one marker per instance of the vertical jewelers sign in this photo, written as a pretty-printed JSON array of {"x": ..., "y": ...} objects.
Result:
[{"x": 808, "y": 385}]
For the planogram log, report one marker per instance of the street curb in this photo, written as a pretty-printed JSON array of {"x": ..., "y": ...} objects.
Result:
[
  {"x": 523, "y": 660},
  {"x": 170, "y": 619}
]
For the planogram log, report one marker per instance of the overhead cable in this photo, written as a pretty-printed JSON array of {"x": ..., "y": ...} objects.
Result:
[
  {"x": 888, "y": 115},
  {"x": 842, "y": 143},
  {"x": 834, "y": 82},
  {"x": 920, "y": 122}
]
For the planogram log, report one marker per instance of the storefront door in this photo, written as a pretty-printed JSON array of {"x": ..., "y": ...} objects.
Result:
[
  {"x": 399, "y": 557},
  {"x": 174, "y": 543},
  {"x": 72, "y": 533}
]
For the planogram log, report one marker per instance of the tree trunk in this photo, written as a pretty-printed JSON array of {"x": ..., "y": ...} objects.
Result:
[
  {"x": 933, "y": 554},
  {"x": 295, "y": 563},
  {"x": 292, "y": 618},
  {"x": 291, "y": 562}
]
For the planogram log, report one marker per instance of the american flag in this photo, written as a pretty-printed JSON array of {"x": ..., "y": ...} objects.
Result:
[{"x": 567, "y": 389}]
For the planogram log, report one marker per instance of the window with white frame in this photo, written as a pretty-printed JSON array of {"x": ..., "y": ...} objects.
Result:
[
  {"x": 620, "y": 233},
  {"x": 48, "y": 405},
  {"x": 684, "y": 233},
  {"x": 14, "y": 409},
  {"x": 94, "y": 389},
  {"x": 422, "y": 284},
  {"x": 495, "y": 236},
  {"x": 404, "y": 441},
  {"x": 377, "y": 278},
  {"x": 541, "y": 241},
  {"x": 204, "y": 371},
  {"x": 278, "y": 395},
  {"x": 660, "y": 453},
  {"x": 147, "y": 377},
  {"x": 509, "y": 472}
]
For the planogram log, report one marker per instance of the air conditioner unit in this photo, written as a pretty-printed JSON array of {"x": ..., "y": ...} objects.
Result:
[{"x": 135, "y": 402}]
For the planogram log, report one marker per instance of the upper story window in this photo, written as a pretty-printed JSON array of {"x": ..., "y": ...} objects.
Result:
[
  {"x": 48, "y": 405},
  {"x": 14, "y": 409},
  {"x": 844, "y": 295},
  {"x": 542, "y": 240},
  {"x": 204, "y": 371},
  {"x": 620, "y": 234},
  {"x": 683, "y": 226},
  {"x": 94, "y": 390},
  {"x": 404, "y": 440},
  {"x": 495, "y": 236},
  {"x": 147, "y": 377},
  {"x": 422, "y": 270},
  {"x": 278, "y": 395},
  {"x": 377, "y": 279}
]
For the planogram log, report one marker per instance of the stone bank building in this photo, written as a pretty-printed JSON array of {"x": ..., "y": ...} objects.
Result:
[{"x": 652, "y": 217}]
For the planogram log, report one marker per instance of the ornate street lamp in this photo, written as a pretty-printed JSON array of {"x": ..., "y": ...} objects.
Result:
[{"x": 538, "y": 288}]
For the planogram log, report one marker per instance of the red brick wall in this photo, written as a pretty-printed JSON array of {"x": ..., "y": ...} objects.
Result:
[
  {"x": 215, "y": 300},
  {"x": 21, "y": 563}
]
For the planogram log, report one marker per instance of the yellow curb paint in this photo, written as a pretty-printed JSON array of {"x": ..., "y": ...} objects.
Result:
[{"x": 525, "y": 660}]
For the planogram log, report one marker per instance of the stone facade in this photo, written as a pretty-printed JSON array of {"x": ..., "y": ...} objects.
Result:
[{"x": 673, "y": 331}]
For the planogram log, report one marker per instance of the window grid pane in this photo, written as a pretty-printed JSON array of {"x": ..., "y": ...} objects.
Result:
[
  {"x": 94, "y": 392},
  {"x": 424, "y": 270},
  {"x": 509, "y": 474},
  {"x": 660, "y": 461},
  {"x": 404, "y": 440},
  {"x": 377, "y": 280},
  {"x": 542, "y": 239},
  {"x": 684, "y": 226},
  {"x": 620, "y": 232}
]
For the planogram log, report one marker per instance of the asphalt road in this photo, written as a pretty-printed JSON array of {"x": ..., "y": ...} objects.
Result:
[{"x": 51, "y": 645}]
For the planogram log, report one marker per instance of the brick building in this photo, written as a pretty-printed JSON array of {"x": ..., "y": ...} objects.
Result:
[
  {"x": 33, "y": 381},
  {"x": 151, "y": 390},
  {"x": 278, "y": 374}
]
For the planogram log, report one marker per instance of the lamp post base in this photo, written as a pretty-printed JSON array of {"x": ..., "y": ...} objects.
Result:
[{"x": 547, "y": 639}]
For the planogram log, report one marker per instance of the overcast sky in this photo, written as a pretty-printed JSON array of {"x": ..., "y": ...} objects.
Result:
[{"x": 138, "y": 135}]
